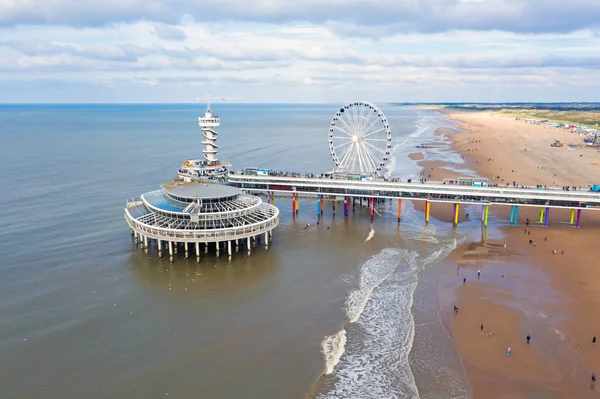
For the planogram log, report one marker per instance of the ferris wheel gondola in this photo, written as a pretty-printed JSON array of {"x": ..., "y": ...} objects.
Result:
[{"x": 360, "y": 140}]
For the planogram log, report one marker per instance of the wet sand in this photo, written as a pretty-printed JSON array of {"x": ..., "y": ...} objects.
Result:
[{"x": 550, "y": 296}]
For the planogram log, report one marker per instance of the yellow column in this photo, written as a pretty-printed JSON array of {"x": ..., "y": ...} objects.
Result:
[
  {"x": 456, "y": 208},
  {"x": 572, "y": 216},
  {"x": 485, "y": 217},
  {"x": 427, "y": 209},
  {"x": 297, "y": 203},
  {"x": 541, "y": 215}
]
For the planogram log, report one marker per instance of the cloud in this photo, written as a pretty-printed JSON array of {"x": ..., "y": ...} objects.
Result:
[
  {"x": 346, "y": 17},
  {"x": 167, "y": 32}
]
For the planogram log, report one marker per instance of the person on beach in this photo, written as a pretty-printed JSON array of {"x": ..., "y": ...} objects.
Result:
[
  {"x": 528, "y": 339},
  {"x": 455, "y": 309},
  {"x": 509, "y": 351},
  {"x": 478, "y": 274},
  {"x": 594, "y": 340},
  {"x": 464, "y": 280},
  {"x": 482, "y": 328},
  {"x": 457, "y": 270},
  {"x": 593, "y": 377}
]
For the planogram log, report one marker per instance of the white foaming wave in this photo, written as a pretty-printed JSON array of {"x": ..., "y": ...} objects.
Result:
[
  {"x": 375, "y": 359},
  {"x": 373, "y": 272},
  {"x": 332, "y": 348},
  {"x": 371, "y": 235}
]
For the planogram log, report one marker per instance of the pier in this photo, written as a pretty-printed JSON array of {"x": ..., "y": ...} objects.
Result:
[{"x": 430, "y": 192}]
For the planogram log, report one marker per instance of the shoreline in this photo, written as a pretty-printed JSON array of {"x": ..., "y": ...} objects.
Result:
[{"x": 560, "y": 359}]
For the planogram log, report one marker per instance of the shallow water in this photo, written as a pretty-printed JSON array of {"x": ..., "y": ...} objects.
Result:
[{"x": 86, "y": 314}]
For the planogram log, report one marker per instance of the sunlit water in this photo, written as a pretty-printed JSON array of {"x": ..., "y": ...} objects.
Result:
[{"x": 330, "y": 311}]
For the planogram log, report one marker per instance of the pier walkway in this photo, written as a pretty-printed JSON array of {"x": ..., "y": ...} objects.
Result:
[{"x": 576, "y": 200}]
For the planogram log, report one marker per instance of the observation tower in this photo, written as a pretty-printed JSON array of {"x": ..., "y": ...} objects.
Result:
[
  {"x": 202, "y": 216},
  {"x": 209, "y": 168}
]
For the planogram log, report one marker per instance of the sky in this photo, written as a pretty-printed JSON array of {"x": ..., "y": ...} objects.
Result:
[{"x": 306, "y": 51}]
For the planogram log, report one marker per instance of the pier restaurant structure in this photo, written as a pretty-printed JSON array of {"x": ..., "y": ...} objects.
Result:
[{"x": 199, "y": 215}]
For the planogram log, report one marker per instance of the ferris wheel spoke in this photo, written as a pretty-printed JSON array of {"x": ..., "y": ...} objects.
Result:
[
  {"x": 342, "y": 130},
  {"x": 345, "y": 156},
  {"x": 373, "y": 132},
  {"x": 374, "y": 147},
  {"x": 343, "y": 144},
  {"x": 346, "y": 124},
  {"x": 362, "y": 117},
  {"x": 372, "y": 158},
  {"x": 368, "y": 158},
  {"x": 384, "y": 140},
  {"x": 355, "y": 119},
  {"x": 342, "y": 138},
  {"x": 363, "y": 162},
  {"x": 367, "y": 121},
  {"x": 371, "y": 126},
  {"x": 350, "y": 158}
]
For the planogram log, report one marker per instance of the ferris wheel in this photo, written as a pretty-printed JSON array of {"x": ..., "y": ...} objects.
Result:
[{"x": 360, "y": 140}]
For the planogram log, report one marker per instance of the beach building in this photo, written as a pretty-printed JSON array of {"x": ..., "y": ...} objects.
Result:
[{"x": 200, "y": 217}]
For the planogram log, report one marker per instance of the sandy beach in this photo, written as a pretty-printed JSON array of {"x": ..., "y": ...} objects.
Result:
[{"x": 525, "y": 289}]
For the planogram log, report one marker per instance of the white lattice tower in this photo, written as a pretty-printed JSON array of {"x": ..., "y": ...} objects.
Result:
[{"x": 208, "y": 122}]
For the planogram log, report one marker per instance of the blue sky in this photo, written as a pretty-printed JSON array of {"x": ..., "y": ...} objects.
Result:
[{"x": 299, "y": 50}]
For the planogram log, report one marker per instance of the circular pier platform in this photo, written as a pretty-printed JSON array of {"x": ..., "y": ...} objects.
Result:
[{"x": 201, "y": 216}]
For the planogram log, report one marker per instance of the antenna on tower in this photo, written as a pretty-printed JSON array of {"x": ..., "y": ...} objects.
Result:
[{"x": 207, "y": 99}]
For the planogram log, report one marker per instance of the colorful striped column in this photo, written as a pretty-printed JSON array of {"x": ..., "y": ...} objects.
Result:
[
  {"x": 456, "y": 210},
  {"x": 578, "y": 218},
  {"x": 345, "y": 206},
  {"x": 293, "y": 204},
  {"x": 319, "y": 205},
  {"x": 485, "y": 215},
  {"x": 399, "y": 209},
  {"x": 427, "y": 210},
  {"x": 546, "y": 217}
]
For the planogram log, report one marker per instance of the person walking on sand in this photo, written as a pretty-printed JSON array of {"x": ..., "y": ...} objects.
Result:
[
  {"x": 482, "y": 328},
  {"x": 464, "y": 280},
  {"x": 509, "y": 351},
  {"x": 594, "y": 340},
  {"x": 478, "y": 274},
  {"x": 593, "y": 377},
  {"x": 528, "y": 338}
]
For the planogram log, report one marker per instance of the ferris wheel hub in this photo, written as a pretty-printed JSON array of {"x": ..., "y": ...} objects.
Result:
[{"x": 355, "y": 138}]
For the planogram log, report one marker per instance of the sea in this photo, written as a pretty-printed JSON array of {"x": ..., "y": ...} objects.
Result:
[{"x": 347, "y": 308}]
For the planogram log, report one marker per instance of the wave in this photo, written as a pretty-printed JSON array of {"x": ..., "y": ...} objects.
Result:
[
  {"x": 371, "y": 235},
  {"x": 373, "y": 272},
  {"x": 333, "y": 349}
]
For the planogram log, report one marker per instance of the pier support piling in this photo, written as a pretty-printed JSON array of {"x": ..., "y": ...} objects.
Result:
[
  {"x": 293, "y": 204},
  {"x": 171, "y": 248},
  {"x": 266, "y": 241},
  {"x": 218, "y": 246},
  {"x": 248, "y": 247},
  {"x": 578, "y": 218},
  {"x": 572, "y": 220},
  {"x": 197, "y": 252},
  {"x": 541, "y": 215},
  {"x": 399, "y": 210},
  {"x": 546, "y": 217},
  {"x": 229, "y": 248},
  {"x": 427, "y": 211},
  {"x": 456, "y": 211},
  {"x": 319, "y": 205},
  {"x": 146, "y": 244},
  {"x": 372, "y": 207},
  {"x": 345, "y": 206},
  {"x": 516, "y": 215},
  {"x": 486, "y": 212},
  {"x": 187, "y": 253},
  {"x": 205, "y": 248},
  {"x": 159, "y": 248},
  {"x": 512, "y": 214}
]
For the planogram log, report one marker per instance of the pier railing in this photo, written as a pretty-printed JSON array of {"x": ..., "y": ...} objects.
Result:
[
  {"x": 433, "y": 192},
  {"x": 212, "y": 235}
]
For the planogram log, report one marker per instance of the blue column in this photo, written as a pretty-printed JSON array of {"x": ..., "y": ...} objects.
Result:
[
  {"x": 547, "y": 216},
  {"x": 319, "y": 205},
  {"x": 516, "y": 215},
  {"x": 512, "y": 212}
]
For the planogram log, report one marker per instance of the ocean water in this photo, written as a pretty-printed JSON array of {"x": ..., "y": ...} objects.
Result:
[{"x": 336, "y": 310}]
